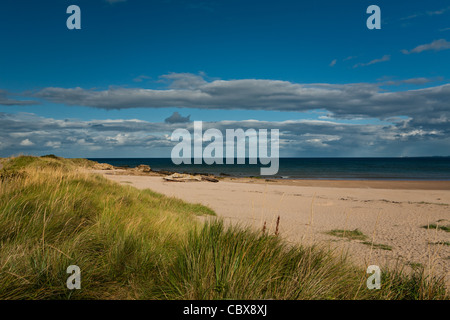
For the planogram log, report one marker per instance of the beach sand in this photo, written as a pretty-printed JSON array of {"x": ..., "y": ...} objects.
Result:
[{"x": 390, "y": 213}]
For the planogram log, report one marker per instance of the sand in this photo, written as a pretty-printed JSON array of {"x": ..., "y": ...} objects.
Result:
[{"x": 390, "y": 213}]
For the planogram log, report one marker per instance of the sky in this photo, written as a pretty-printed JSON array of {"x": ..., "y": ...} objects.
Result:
[{"x": 138, "y": 70}]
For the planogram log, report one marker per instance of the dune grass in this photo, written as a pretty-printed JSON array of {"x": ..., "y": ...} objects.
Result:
[
  {"x": 138, "y": 244},
  {"x": 55, "y": 216}
]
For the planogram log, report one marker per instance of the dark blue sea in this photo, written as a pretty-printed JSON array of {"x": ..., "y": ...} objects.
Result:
[{"x": 427, "y": 168}]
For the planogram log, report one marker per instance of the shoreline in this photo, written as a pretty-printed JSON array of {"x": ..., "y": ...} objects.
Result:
[{"x": 335, "y": 183}]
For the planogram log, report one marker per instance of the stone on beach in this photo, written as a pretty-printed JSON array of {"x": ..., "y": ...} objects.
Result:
[
  {"x": 143, "y": 168},
  {"x": 181, "y": 177},
  {"x": 103, "y": 166}
]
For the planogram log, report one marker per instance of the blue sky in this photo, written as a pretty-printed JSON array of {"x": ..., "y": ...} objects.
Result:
[{"x": 310, "y": 68}]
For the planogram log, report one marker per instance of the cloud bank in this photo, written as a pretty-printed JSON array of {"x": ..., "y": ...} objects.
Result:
[
  {"x": 427, "y": 107},
  {"x": 32, "y": 134}
]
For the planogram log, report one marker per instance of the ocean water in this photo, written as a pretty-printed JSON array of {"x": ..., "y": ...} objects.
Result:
[{"x": 426, "y": 168}]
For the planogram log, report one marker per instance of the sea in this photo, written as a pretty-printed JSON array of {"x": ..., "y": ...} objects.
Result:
[{"x": 414, "y": 168}]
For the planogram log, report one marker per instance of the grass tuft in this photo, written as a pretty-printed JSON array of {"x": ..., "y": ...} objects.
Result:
[
  {"x": 437, "y": 227},
  {"x": 378, "y": 245},
  {"x": 348, "y": 234}
]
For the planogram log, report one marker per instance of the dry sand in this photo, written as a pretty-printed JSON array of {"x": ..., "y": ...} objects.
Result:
[{"x": 390, "y": 213}]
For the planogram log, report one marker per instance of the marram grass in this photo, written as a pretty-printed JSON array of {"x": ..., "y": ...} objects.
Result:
[{"x": 138, "y": 244}]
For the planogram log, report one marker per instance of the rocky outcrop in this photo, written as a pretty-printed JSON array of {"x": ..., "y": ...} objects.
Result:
[
  {"x": 143, "y": 168},
  {"x": 181, "y": 177},
  {"x": 210, "y": 179},
  {"x": 103, "y": 166}
]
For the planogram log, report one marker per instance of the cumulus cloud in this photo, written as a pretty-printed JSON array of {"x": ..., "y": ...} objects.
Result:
[
  {"x": 26, "y": 143},
  {"x": 436, "y": 45},
  {"x": 177, "y": 118}
]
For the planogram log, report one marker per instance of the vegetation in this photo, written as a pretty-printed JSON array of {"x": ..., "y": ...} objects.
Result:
[
  {"x": 378, "y": 245},
  {"x": 437, "y": 227},
  {"x": 358, "y": 235},
  {"x": 138, "y": 244},
  {"x": 348, "y": 234}
]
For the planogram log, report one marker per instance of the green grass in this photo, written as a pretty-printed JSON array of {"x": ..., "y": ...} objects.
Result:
[
  {"x": 51, "y": 218},
  {"x": 437, "y": 227},
  {"x": 234, "y": 263},
  {"x": 416, "y": 265},
  {"x": 348, "y": 234},
  {"x": 45, "y": 162},
  {"x": 138, "y": 244},
  {"x": 358, "y": 235},
  {"x": 378, "y": 245}
]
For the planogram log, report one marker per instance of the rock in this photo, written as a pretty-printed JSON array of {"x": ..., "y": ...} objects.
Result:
[
  {"x": 167, "y": 173},
  {"x": 103, "y": 166},
  {"x": 210, "y": 179},
  {"x": 181, "y": 177},
  {"x": 143, "y": 168}
]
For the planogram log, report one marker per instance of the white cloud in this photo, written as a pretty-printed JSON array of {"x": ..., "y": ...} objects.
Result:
[
  {"x": 53, "y": 144},
  {"x": 436, "y": 45},
  {"x": 419, "y": 132},
  {"x": 382, "y": 59},
  {"x": 26, "y": 143},
  {"x": 333, "y": 63},
  {"x": 438, "y": 12}
]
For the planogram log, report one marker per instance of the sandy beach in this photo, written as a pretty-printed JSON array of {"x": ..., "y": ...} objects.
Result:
[{"x": 391, "y": 214}]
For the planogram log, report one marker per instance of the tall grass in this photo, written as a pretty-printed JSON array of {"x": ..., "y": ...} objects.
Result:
[
  {"x": 137, "y": 244},
  {"x": 235, "y": 263},
  {"x": 55, "y": 216}
]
